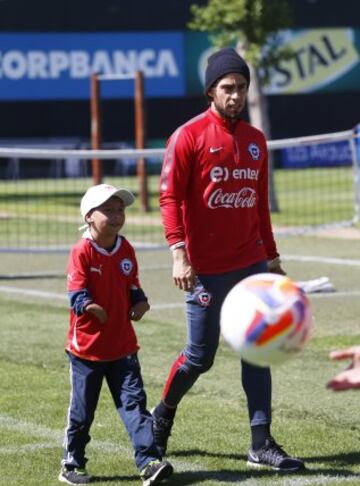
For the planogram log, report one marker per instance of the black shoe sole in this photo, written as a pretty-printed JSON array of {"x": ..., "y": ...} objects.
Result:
[
  {"x": 63, "y": 479},
  {"x": 163, "y": 473},
  {"x": 259, "y": 465}
]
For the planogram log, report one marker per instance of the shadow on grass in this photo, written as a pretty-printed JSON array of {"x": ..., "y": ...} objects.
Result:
[
  {"x": 203, "y": 453},
  {"x": 233, "y": 475},
  {"x": 185, "y": 478},
  {"x": 114, "y": 479},
  {"x": 345, "y": 458}
]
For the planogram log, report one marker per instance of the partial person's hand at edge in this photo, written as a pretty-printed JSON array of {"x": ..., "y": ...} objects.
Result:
[{"x": 350, "y": 377}]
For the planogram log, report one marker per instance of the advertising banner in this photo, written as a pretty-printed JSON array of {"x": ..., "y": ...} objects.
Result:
[
  {"x": 320, "y": 155},
  {"x": 44, "y": 66},
  {"x": 324, "y": 60},
  {"x": 58, "y": 66}
]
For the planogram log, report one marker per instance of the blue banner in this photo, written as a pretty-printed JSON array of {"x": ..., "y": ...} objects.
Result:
[
  {"x": 58, "y": 66},
  {"x": 319, "y": 155}
]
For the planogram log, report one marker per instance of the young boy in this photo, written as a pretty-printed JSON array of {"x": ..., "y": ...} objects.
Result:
[{"x": 105, "y": 293}]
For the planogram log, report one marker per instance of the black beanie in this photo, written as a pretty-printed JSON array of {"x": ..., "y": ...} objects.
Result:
[{"x": 223, "y": 62}]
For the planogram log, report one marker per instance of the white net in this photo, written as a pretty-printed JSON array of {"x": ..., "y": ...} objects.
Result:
[{"x": 315, "y": 182}]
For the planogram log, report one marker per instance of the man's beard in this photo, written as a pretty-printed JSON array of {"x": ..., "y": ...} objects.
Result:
[{"x": 227, "y": 116}]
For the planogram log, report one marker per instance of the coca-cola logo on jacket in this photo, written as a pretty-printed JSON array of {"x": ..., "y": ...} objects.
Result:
[{"x": 244, "y": 198}]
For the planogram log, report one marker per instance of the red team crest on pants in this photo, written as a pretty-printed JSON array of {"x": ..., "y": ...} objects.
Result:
[{"x": 204, "y": 298}]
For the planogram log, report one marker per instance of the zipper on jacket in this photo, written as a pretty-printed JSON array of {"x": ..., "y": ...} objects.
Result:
[{"x": 236, "y": 151}]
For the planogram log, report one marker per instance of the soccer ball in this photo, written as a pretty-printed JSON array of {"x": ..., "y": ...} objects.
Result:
[{"x": 266, "y": 318}]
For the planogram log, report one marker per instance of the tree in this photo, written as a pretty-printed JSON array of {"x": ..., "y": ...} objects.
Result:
[{"x": 253, "y": 25}]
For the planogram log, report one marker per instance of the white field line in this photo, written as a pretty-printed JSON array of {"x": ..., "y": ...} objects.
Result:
[
  {"x": 298, "y": 258},
  {"x": 318, "y": 480},
  {"x": 27, "y": 448},
  {"x": 158, "y": 307},
  {"x": 175, "y": 305},
  {"x": 332, "y": 295},
  {"x": 52, "y": 439},
  {"x": 325, "y": 260},
  {"x": 32, "y": 293},
  {"x": 59, "y": 296},
  {"x": 165, "y": 266}
]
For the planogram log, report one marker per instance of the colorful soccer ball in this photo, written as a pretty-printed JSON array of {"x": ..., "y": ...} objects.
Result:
[{"x": 266, "y": 318}]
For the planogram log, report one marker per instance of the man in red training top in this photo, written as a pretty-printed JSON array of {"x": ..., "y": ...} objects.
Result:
[
  {"x": 214, "y": 206},
  {"x": 105, "y": 296}
]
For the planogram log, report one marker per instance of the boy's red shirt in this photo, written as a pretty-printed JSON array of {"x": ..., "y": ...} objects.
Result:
[{"x": 108, "y": 278}]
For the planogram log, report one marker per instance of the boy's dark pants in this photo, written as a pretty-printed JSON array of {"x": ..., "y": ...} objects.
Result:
[{"x": 124, "y": 379}]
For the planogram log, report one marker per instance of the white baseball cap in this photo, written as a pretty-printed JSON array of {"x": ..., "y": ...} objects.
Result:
[{"x": 97, "y": 195}]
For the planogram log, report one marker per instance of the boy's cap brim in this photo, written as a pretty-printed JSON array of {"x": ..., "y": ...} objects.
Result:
[{"x": 96, "y": 196}]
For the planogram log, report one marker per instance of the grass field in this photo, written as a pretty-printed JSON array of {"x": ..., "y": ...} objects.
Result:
[
  {"x": 45, "y": 212},
  {"x": 211, "y": 435}
]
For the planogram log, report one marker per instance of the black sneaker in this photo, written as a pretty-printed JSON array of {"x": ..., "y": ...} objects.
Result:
[
  {"x": 155, "y": 472},
  {"x": 74, "y": 476},
  {"x": 162, "y": 431},
  {"x": 272, "y": 455}
]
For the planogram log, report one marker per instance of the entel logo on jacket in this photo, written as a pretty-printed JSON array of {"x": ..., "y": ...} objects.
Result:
[{"x": 218, "y": 174}]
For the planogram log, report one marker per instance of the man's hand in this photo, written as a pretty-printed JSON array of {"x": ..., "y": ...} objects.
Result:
[
  {"x": 183, "y": 273},
  {"x": 97, "y": 311},
  {"x": 350, "y": 378},
  {"x": 274, "y": 266},
  {"x": 138, "y": 310}
]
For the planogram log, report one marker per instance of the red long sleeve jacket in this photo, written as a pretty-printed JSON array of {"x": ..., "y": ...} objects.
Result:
[{"x": 214, "y": 194}]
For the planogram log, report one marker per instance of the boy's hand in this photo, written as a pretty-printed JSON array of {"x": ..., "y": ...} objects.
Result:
[
  {"x": 97, "y": 311},
  {"x": 138, "y": 310}
]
